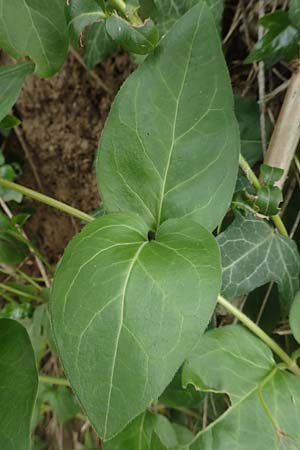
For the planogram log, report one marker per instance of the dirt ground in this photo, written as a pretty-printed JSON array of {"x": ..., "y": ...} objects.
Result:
[{"x": 62, "y": 119}]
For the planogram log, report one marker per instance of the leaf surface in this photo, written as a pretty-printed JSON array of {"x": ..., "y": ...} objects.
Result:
[
  {"x": 265, "y": 401},
  {"x": 35, "y": 28},
  {"x": 122, "y": 328},
  {"x": 253, "y": 254},
  {"x": 170, "y": 146},
  {"x": 295, "y": 317},
  {"x": 18, "y": 385},
  {"x": 11, "y": 81}
]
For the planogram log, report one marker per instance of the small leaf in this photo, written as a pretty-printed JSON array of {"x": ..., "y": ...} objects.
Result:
[
  {"x": 11, "y": 81},
  {"x": 295, "y": 318},
  {"x": 12, "y": 250},
  {"x": 253, "y": 254},
  {"x": 19, "y": 383},
  {"x": 98, "y": 45},
  {"x": 176, "y": 395},
  {"x": 37, "y": 29},
  {"x": 9, "y": 122},
  {"x": 170, "y": 145},
  {"x": 280, "y": 41},
  {"x": 136, "y": 39},
  {"x": 265, "y": 401},
  {"x": 133, "y": 326},
  {"x": 62, "y": 401},
  {"x": 270, "y": 174},
  {"x": 268, "y": 200},
  {"x": 248, "y": 116}
]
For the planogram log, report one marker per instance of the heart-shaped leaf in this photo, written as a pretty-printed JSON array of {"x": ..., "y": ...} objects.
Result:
[
  {"x": 126, "y": 311},
  {"x": 18, "y": 385},
  {"x": 265, "y": 400},
  {"x": 170, "y": 146},
  {"x": 11, "y": 81},
  {"x": 35, "y": 28}
]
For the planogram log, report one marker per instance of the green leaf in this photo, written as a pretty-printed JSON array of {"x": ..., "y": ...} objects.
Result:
[
  {"x": 18, "y": 385},
  {"x": 281, "y": 41},
  {"x": 254, "y": 254},
  {"x": 248, "y": 116},
  {"x": 167, "y": 12},
  {"x": 270, "y": 174},
  {"x": 140, "y": 39},
  {"x": 9, "y": 122},
  {"x": 136, "y": 436},
  {"x": 265, "y": 400},
  {"x": 294, "y": 12},
  {"x": 62, "y": 401},
  {"x": 295, "y": 318},
  {"x": 170, "y": 146},
  {"x": 12, "y": 250},
  {"x": 11, "y": 81},
  {"x": 84, "y": 13},
  {"x": 35, "y": 28},
  {"x": 268, "y": 200},
  {"x": 35, "y": 327},
  {"x": 121, "y": 346},
  {"x": 175, "y": 395},
  {"x": 98, "y": 45}
]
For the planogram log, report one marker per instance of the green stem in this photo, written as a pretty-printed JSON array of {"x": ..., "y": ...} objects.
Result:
[
  {"x": 255, "y": 182},
  {"x": 120, "y": 6},
  {"x": 53, "y": 380},
  {"x": 29, "y": 280},
  {"x": 290, "y": 363},
  {"x": 46, "y": 200},
  {"x": 15, "y": 291},
  {"x": 297, "y": 162}
]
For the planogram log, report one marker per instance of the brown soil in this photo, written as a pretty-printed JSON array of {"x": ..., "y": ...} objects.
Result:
[{"x": 62, "y": 119}]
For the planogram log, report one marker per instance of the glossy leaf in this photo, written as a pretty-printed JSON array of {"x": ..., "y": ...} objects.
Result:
[
  {"x": 11, "y": 81},
  {"x": 253, "y": 254},
  {"x": 170, "y": 146},
  {"x": 268, "y": 200},
  {"x": 121, "y": 327},
  {"x": 18, "y": 385},
  {"x": 280, "y": 41},
  {"x": 265, "y": 400},
  {"x": 295, "y": 318},
  {"x": 9, "y": 122},
  {"x": 270, "y": 174},
  {"x": 35, "y": 28},
  {"x": 140, "y": 39}
]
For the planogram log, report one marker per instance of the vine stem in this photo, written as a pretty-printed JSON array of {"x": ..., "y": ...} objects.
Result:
[
  {"x": 53, "y": 380},
  {"x": 290, "y": 363},
  {"x": 255, "y": 182},
  {"x": 46, "y": 200}
]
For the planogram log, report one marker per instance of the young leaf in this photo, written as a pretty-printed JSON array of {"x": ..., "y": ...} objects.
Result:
[
  {"x": 270, "y": 174},
  {"x": 35, "y": 28},
  {"x": 295, "y": 318},
  {"x": 121, "y": 326},
  {"x": 98, "y": 45},
  {"x": 11, "y": 81},
  {"x": 268, "y": 200},
  {"x": 170, "y": 146},
  {"x": 280, "y": 41},
  {"x": 140, "y": 39},
  {"x": 18, "y": 385},
  {"x": 253, "y": 254},
  {"x": 9, "y": 122},
  {"x": 265, "y": 400}
]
